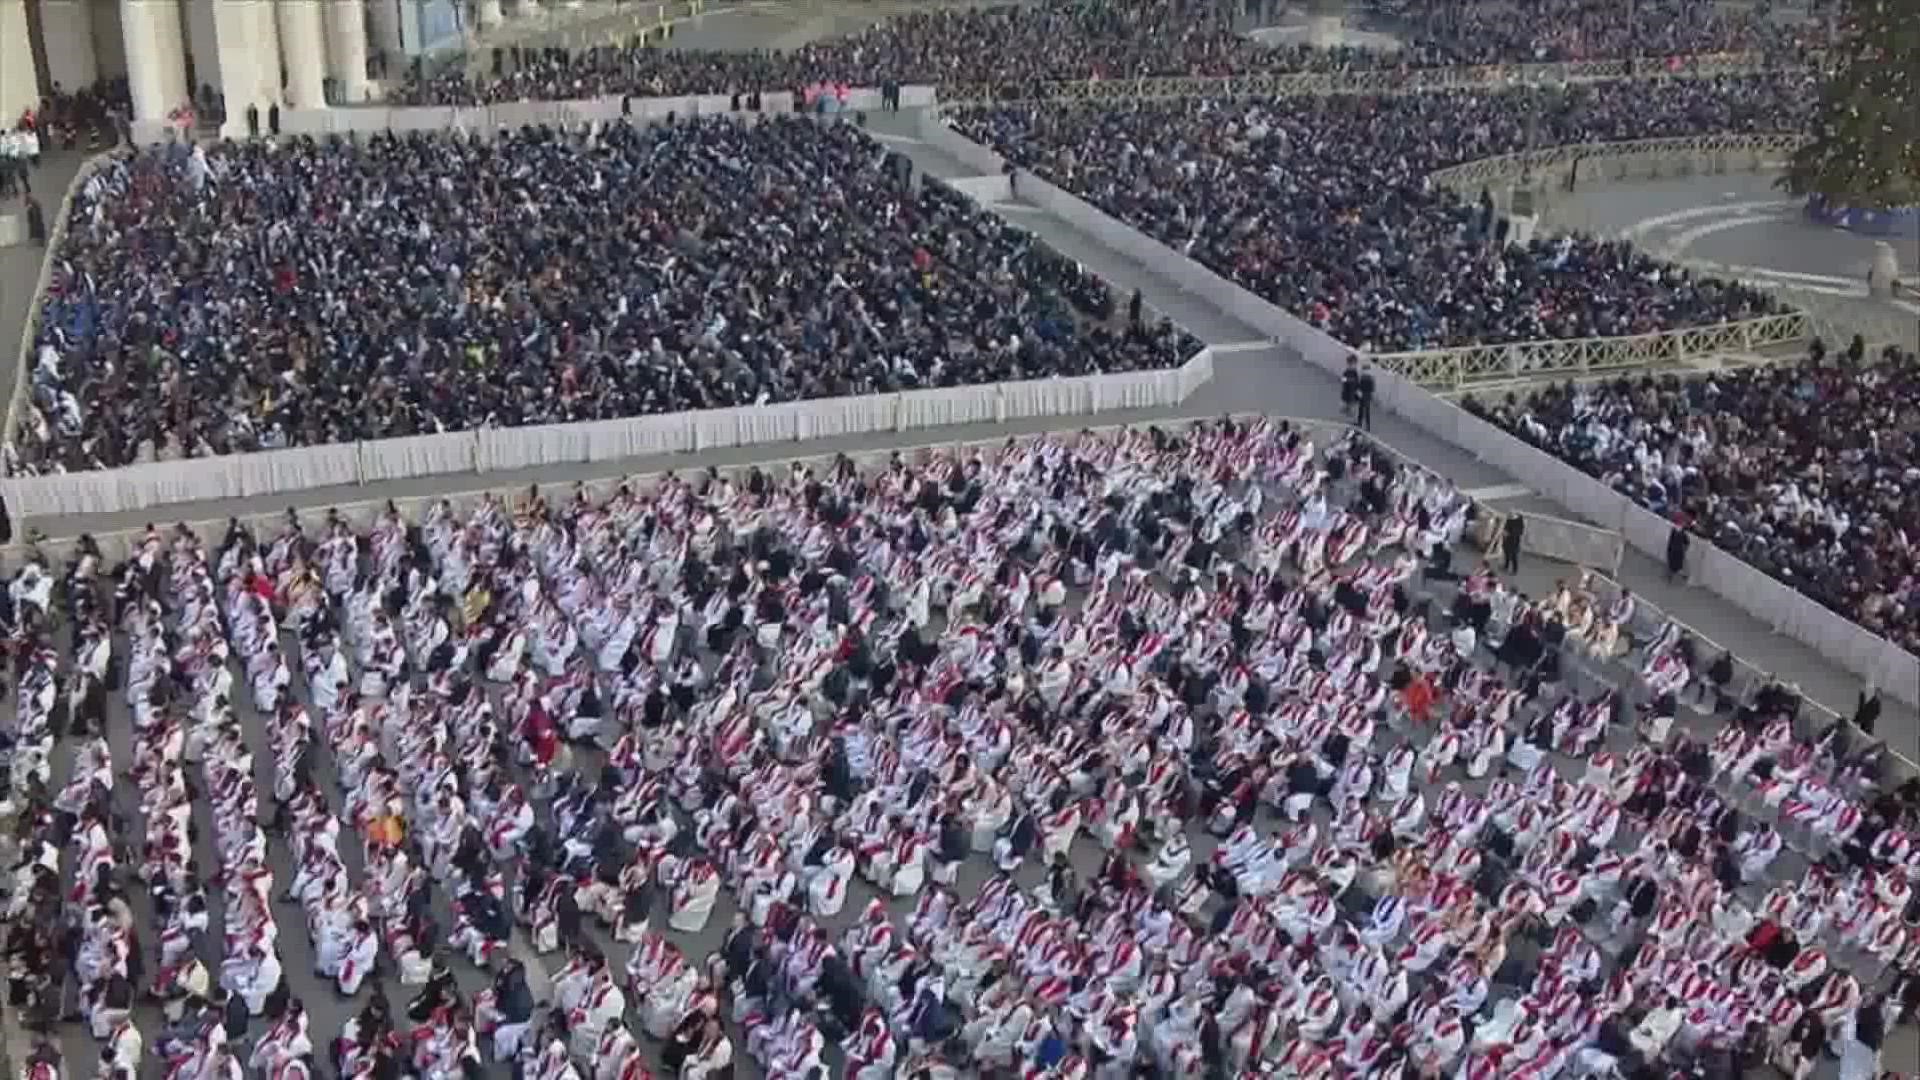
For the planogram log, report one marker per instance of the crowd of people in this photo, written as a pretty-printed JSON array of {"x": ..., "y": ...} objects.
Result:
[
  {"x": 257, "y": 296},
  {"x": 1063, "y": 40},
  {"x": 92, "y": 116},
  {"x": 1809, "y": 472},
  {"x": 1543, "y": 31},
  {"x": 1063, "y": 758},
  {"x": 1322, "y": 205},
  {"x": 1005, "y": 44}
]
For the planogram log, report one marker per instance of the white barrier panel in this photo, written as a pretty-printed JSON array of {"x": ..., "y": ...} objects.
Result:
[
  {"x": 1572, "y": 542},
  {"x": 415, "y": 455},
  {"x": 292, "y": 470},
  {"x": 1832, "y": 635},
  {"x": 116, "y": 545},
  {"x": 371, "y": 119},
  {"x": 494, "y": 450}
]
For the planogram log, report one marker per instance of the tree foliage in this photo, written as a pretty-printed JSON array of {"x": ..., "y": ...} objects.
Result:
[{"x": 1865, "y": 150}]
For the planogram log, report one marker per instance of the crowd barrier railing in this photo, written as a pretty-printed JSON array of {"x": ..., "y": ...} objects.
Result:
[
  {"x": 1372, "y": 81},
  {"x": 1787, "y": 612},
  {"x": 1572, "y": 542},
  {"x": 1815, "y": 719},
  {"x": 1836, "y": 319},
  {"x": 1556, "y": 538},
  {"x": 1609, "y": 161},
  {"x": 1464, "y": 367},
  {"x": 117, "y": 545},
  {"x": 492, "y": 450},
  {"x": 485, "y": 119}
]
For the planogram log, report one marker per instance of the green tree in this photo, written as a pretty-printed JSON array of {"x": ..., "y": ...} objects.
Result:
[{"x": 1865, "y": 149}]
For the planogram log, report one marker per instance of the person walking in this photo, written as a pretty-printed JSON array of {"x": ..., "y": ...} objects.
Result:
[
  {"x": 1677, "y": 543},
  {"x": 1350, "y": 386},
  {"x": 1363, "y": 399},
  {"x": 1866, "y": 714},
  {"x": 1511, "y": 534}
]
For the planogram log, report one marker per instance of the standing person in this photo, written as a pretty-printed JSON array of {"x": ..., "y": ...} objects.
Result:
[
  {"x": 1866, "y": 715},
  {"x": 1363, "y": 400},
  {"x": 1133, "y": 309},
  {"x": 1350, "y": 386},
  {"x": 1511, "y": 534},
  {"x": 1677, "y": 543},
  {"x": 1860, "y": 1055}
]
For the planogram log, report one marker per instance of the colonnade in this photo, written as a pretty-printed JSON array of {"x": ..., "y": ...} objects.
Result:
[
  {"x": 254, "y": 54},
  {"x": 265, "y": 53}
]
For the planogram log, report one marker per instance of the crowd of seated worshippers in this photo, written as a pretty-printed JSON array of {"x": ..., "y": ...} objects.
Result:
[{"x": 808, "y": 683}]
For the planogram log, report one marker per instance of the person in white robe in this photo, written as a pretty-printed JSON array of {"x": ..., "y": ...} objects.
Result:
[
  {"x": 123, "y": 1050},
  {"x": 693, "y": 896},
  {"x": 254, "y": 977},
  {"x": 1170, "y": 860},
  {"x": 286, "y": 1039},
  {"x": 663, "y": 1004},
  {"x": 602, "y": 1004},
  {"x": 711, "y": 1056},
  {"x": 362, "y": 954},
  {"x": 827, "y": 883}
]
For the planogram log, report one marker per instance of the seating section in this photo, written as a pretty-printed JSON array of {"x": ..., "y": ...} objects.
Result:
[
  {"x": 1064, "y": 756},
  {"x": 1321, "y": 205},
  {"x": 1460, "y": 32},
  {"x": 251, "y": 297},
  {"x": 1807, "y": 472},
  {"x": 1018, "y": 45}
]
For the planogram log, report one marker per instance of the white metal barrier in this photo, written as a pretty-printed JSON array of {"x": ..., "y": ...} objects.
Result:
[
  {"x": 373, "y": 119},
  {"x": 1558, "y": 539},
  {"x": 281, "y": 472}
]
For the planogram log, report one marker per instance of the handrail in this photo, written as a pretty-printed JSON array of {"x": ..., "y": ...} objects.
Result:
[
  {"x": 1467, "y": 177},
  {"x": 1370, "y": 81},
  {"x": 1460, "y": 368}
]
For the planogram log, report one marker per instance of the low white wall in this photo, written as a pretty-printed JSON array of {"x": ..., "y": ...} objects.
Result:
[
  {"x": 282, "y": 472},
  {"x": 372, "y": 119}
]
